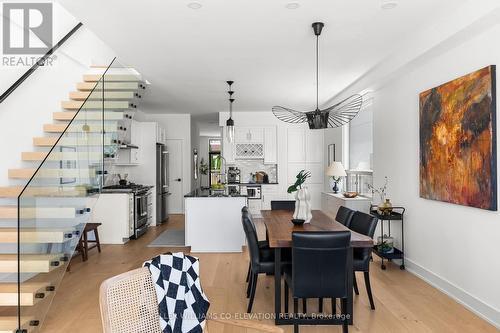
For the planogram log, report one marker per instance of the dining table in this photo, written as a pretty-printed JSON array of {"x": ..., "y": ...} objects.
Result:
[{"x": 279, "y": 232}]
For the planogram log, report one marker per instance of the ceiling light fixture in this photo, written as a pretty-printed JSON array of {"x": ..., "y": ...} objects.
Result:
[
  {"x": 230, "y": 121},
  {"x": 389, "y": 4},
  {"x": 194, "y": 5},
  {"x": 334, "y": 116},
  {"x": 292, "y": 5}
]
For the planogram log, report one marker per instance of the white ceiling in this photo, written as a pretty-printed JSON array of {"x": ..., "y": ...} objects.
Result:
[{"x": 268, "y": 50}]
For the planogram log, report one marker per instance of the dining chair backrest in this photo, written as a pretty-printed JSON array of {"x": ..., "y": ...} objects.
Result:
[
  {"x": 344, "y": 216},
  {"x": 283, "y": 205},
  {"x": 364, "y": 224},
  {"x": 251, "y": 236},
  {"x": 321, "y": 263},
  {"x": 129, "y": 304}
]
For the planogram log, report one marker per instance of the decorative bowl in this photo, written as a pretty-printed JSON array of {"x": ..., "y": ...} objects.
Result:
[
  {"x": 350, "y": 194},
  {"x": 298, "y": 221}
]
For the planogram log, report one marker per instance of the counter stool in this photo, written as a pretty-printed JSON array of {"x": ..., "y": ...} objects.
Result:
[{"x": 83, "y": 243}]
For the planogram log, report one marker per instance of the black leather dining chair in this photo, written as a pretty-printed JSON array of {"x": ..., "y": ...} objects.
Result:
[
  {"x": 309, "y": 277},
  {"x": 261, "y": 258},
  {"x": 344, "y": 216},
  {"x": 364, "y": 224}
]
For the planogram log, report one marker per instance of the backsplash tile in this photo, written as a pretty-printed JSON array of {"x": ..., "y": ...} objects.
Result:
[{"x": 252, "y": 166}]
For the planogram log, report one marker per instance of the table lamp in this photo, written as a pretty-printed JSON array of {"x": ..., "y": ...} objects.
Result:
[{"x": 336, "y": 170}]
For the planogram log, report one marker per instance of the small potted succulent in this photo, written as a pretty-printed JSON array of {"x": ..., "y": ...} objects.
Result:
[{"x": 302, "y": 198}]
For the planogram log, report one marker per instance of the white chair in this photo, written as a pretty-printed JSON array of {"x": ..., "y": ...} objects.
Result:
[{"x": 129, "y": 305}]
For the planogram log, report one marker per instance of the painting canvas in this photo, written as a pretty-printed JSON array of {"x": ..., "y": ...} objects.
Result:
[{"x": 458, "y": 141}]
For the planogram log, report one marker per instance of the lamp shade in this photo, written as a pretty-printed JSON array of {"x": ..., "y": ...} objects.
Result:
[{"x": 336, "y": 169}]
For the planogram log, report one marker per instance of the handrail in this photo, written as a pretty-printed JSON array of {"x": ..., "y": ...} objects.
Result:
[{"x": 39, "y": 63}]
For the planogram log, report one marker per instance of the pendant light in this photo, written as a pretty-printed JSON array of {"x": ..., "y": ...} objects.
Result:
[
  {"x": 334, "y": 116},
  {"x": 230, "y": 121}
]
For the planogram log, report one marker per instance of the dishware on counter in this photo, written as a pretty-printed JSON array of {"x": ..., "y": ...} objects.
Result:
[{"x": 350, "y": 195}]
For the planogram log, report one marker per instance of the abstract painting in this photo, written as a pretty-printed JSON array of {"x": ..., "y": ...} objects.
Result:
[{"x": 458, "y": 141}]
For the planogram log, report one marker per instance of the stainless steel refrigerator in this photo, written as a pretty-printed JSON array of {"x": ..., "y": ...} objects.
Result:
[{"x": 162, "y": 190}]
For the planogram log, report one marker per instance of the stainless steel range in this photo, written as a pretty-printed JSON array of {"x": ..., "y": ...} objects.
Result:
[{"x": 142, "y": 217}]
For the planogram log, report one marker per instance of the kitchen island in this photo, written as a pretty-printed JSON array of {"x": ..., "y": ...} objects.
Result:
[{"x": 213, "y": 221}]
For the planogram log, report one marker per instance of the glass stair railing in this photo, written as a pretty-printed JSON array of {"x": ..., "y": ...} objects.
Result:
[{"x": 44, "y": 211}]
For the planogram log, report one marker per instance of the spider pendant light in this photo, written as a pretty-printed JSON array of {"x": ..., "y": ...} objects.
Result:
[
  {"x": 334, "y": 116},
  {"x": 230, "y": 121}
]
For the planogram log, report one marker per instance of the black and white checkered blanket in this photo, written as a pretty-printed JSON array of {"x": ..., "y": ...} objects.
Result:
[{"x": 181, "y": 301}]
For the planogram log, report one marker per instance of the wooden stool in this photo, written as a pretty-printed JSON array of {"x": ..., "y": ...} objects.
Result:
[{"x": 83, "y": 242}]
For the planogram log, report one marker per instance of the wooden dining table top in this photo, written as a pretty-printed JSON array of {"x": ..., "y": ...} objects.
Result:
[{"x": 280, "y": 227}]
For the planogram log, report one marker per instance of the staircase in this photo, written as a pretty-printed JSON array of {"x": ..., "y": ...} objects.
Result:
[{"x": 44, "y": 210}]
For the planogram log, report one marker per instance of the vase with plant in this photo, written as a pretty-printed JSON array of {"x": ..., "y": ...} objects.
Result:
[
  {"x": 302, "y": 197},
  {"x": 203, "y": 171},
  {"x": 385, "y": 205}
]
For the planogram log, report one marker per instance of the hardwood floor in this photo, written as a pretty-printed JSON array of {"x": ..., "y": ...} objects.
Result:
[{"x": 403, "y": 302}]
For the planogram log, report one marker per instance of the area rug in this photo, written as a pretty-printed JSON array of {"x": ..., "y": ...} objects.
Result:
[{"x": 169, "y": 238}]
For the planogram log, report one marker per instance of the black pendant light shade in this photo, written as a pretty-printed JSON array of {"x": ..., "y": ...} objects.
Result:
[
  {"x": 230, "y": 121},
  {"x": 334, "y": 116}
]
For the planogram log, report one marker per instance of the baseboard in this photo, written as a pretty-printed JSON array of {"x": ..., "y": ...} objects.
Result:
[{"x": 472, "y": 303}]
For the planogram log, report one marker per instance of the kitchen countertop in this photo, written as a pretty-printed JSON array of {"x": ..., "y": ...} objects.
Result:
[
  {"x": 208, "y": 193},
  {"x": 244, "y": 184}
]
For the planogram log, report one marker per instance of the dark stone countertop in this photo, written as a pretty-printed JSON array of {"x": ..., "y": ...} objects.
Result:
[{"x": 208, "y": 193}]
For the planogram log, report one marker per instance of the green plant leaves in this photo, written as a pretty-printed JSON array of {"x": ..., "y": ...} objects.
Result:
[{"x": 301, "y": 178}]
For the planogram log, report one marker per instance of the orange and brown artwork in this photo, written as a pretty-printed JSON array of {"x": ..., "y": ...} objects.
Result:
[{"x": 458, "y": 141}]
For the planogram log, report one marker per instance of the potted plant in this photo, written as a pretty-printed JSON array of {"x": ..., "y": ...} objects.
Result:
[{"x": 302, "y": 197}]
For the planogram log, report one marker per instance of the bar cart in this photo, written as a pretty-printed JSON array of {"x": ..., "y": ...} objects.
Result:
[{"x": 396, "y": 214}]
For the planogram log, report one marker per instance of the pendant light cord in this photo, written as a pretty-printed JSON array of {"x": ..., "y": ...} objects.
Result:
[{"x": 317, "y": 72}]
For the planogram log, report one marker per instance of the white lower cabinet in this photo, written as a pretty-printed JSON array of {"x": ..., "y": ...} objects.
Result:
[
  {"x": 115, "y": 212},
  {"x": 269, "y": 193},
  {"x": 254, "y": 207},
  {"x": 330, "y": 203}
]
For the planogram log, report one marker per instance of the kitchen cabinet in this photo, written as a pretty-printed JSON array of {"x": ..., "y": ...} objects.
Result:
[
  {"x": 117, "y": 224},
  {"x": 228, "y": 148},
  {"x": 161, "y": 134},
  {"x": 330, "y": 203},
  {"x": 244, "y": 134},
  {"x": 254, "y": 207},
  {"x": 128, "y": 155},
  {"x": 270, "y": 145},
  {"x": 269, "y": 193}
]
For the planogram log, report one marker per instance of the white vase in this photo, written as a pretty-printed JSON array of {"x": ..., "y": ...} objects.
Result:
[{"x": 303, "y": 205}]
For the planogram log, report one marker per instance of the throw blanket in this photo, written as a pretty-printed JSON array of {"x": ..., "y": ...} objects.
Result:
[{"x": 181, "y": 301}]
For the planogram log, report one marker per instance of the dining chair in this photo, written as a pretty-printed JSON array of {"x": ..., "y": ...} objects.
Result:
[
  {"x": 309, "y": 277},
  {"x": 129, "y": 304},
  {"x": 364, "y": 224},
  {"x": 261, "y": 259},
  {"x": 344, "y": 216},
  {"x": 283, "y": 205}
]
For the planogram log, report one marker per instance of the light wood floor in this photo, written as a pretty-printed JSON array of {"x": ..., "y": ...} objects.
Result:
[{"x": 403, "y": 302}]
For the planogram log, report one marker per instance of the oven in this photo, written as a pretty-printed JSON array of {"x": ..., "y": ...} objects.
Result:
[
  {"x": 142, "y": 203},
  {"x": 252, "y": 191}
]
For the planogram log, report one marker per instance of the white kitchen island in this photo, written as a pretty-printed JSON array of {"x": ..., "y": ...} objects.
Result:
[{"x": 213, "y": 221}]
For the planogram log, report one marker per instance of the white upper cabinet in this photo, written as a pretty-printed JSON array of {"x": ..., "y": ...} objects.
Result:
[
  {"x": 248, "y": 134},
  {"x": 270, "y": 145},
  {"x": 296, "y": 145}
]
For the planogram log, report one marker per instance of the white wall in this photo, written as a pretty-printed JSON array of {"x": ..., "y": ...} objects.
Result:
[
  {"x": 24, "y": 112},
  {"x": 453, "y": 247}
]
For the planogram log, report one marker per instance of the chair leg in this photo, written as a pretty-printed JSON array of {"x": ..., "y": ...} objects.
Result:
[
  {"x": 304, "y": 305},
  {"x": 98, "y": 243},
  {"x": 85, "y": 246},
  {"x": 369, "y": 289},
  {"x": 286, "y": 297},
  {"x": 295, "y": 314},
  {"x": 345, "y": 322},
  {"x": 249, "y": 287},
  {"x": 320, "y": 306},
  {"x": 334, "y": 306},
  {"x": 252, "y": 293},
  {"x": 248, "y": 273},
  {"x": 355, "y": 284}
]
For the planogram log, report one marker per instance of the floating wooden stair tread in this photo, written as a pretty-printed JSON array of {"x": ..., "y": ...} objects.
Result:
[
  {"x": 59, "y": 128},
  {"x": 31, "y": 191},
  {"x": 97, "y": 95},
  {"x": 10, "y": 324},
  {"x": 96, "y": 105},
  {"x": 92, "y": 140},
  {"x": 36, "y": 235},
  {"x": 10, "y": 212},
  {"x": 61, "y": 156},
  {"x": 30, "y": 263},
  {"x": 112, "y": 78},
  {"x": 52, "y": 173},
  {"x": 109, "y": 86},
  {"x": 31, "y": 293},
  {"x": 86, "y": 115}
]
